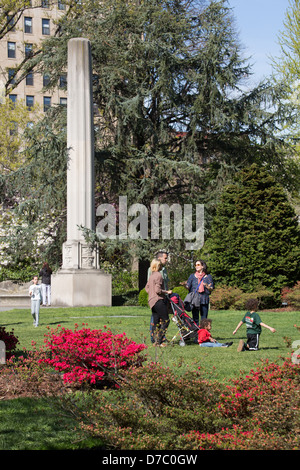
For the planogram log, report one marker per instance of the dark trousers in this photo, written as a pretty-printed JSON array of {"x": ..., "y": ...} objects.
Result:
[
  {"x": 159, "y": 321},
  {"x": 202, "y": 310}
]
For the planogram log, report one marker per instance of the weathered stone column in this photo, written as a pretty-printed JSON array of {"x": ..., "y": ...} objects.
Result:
[{"x": 80, "y": 282}]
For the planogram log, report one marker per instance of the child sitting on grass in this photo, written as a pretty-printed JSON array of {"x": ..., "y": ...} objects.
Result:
[
  {"x": 204, "y": 336},
  {"x": 253, "y": 324}
]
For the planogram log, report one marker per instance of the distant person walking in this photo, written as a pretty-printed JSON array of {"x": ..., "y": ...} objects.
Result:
[
  {"x": 45, "y": 274},
  {"x": 35, "y": 292}
]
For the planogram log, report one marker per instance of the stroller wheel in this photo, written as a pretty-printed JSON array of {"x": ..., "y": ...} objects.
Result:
[{"x": 181, "y": 343}]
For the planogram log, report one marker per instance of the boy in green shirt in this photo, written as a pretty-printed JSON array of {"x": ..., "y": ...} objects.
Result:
[{"x": 253, "y": 324}]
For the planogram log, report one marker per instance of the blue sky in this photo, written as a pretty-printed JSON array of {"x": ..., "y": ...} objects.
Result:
[{"x": 258, "y": 23}]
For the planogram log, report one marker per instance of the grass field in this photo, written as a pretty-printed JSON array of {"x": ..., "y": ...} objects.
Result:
[
  {"x": 31, "y": 424},
  {"x": 135, "y": 321}
]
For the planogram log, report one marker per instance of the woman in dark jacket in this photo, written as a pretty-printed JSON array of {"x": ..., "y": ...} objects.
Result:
[
  {"x": 204, "y": 289},
  {"x": 45, "y": 274}
]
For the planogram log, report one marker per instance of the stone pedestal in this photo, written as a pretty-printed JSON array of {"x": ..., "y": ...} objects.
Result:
[
  {"x": 80, "y": 282},
  {"x": 81, "y": 288}
]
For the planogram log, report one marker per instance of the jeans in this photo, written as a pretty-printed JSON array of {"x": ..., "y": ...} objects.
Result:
[
  {"x": 46, "y": 293},
  {"x": 209, "y": 344},
  {"x": 35, "y": 311},
  {"x": 203, "y": 310}
]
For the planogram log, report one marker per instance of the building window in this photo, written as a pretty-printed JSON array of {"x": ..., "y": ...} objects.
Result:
[
  {"x": 11, "y": 23},
  {"x": 29, "y": 101},
  {"x": 11, "y": 76},
  {"x": 63, "y": 101},
  {"x": 47, "y": 103},
  {"x": 61, "y": 4},
  {"x": 45, "y": 4},
  {"x": 28, "y": 50},
  {"x": 46, "y": 80},
  {"x": 29, "y": 79},
  {"x": 13, "y": 98},
  {"x": 63, "y": 81},
  {"x": 45, "y": 26},
  {"x": 28, "y": 24},
  {"x": 11, "y": 50}
]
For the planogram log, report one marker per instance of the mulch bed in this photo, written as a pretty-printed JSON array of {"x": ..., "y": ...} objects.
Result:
[{"x": 12, "y": 385}]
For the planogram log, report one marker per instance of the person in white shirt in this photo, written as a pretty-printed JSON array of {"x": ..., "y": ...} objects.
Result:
[{"x": 35, "y": 292}]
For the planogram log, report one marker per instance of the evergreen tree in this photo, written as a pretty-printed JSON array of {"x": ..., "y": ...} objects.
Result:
[
  {"x": 33, "y": 198},
  {"x": 255, "y": 236},
  {"x": 173, "y": 121}
]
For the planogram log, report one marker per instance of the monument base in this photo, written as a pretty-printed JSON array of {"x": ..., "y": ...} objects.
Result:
[{"x": 81, "y": 288}]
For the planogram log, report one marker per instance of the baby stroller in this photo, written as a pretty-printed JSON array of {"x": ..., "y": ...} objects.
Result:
[{"x": 187, "y": 328}]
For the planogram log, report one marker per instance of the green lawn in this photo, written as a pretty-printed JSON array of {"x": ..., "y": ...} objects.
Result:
[
  {"x": 134, "y": 321},
  {"x": 32, "y": 424}
]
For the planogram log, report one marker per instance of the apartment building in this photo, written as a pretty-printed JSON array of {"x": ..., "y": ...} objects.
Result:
[{"x": 35, "y": 24}]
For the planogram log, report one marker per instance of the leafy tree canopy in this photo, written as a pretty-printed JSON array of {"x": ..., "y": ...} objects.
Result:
[{"x": 173, "y": 119}]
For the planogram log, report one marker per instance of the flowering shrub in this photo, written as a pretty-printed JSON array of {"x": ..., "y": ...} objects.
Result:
[
  {"x": 10, "y": 341},
  {"x": 159, "y": 409},
  {"x": 91, "y": 356},
  {"x": 269, "y": 396},
  {"x": 236, "y": 438},
  {"x": 291, "y": 295}
]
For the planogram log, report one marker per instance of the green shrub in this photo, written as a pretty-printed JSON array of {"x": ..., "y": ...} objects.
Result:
[
  {"x": 223, "y": 297},
  {"x": 226, "y": 297},
  {"x": 22, "y": 273},
  {"x": 267, "y": 299},
  {"x": 143, "y": 298},
  {"x": 181, "y": 291},
  {"x": 255, "y": 235}
]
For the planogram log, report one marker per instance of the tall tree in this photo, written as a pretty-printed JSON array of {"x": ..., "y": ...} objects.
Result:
[
  {"x": 255, "y": 236},
  {"x": 173, "y": 122},
  {"x": 168, "y": 77}
]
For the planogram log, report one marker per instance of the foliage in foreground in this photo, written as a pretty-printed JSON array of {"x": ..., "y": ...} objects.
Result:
[
  {"x": 159, "y": 408},
  {"x": 10, "y": 341}
]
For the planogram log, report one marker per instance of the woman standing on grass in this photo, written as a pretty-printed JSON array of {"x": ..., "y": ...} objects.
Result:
[
  {"x": 156, "y": 296},
  {"x": 203, "y": 283},
  {"x": 45, "y": 274}
]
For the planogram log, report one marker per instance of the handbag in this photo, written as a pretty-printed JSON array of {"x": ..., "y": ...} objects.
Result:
[{"x": 192, "y": 299}]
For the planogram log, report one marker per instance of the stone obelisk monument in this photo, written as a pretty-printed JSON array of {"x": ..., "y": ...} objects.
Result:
[{"x": 80, "y": 282}]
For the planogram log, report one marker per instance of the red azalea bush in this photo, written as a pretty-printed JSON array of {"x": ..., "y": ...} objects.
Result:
[
  {"x": 10, "y": 341},
  {"x": 91, "y": 356},
  {"x": 236, "y": 438},
  {"x": 268, "y": 396}
]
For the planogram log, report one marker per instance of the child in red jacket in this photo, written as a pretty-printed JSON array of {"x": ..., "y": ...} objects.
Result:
[{"x": 205, "y": 338}]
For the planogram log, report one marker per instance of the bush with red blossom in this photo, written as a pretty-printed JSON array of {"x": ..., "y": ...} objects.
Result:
[
  {"x": 91, "y": 356},
  {"x": 10, "y": 341},
  {"x": 162, "y": 410}
]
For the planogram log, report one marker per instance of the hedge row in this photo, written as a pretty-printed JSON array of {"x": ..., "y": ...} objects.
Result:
[{"x": 228, "y": 297}]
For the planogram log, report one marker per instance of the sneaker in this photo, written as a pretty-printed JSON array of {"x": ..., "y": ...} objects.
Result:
[
  {"x": 240, "y": 346},
  {"x": 228, "y": 344}
]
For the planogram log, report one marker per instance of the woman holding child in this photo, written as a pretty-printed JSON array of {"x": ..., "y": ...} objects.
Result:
[{"x": 156, "y": 301}]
